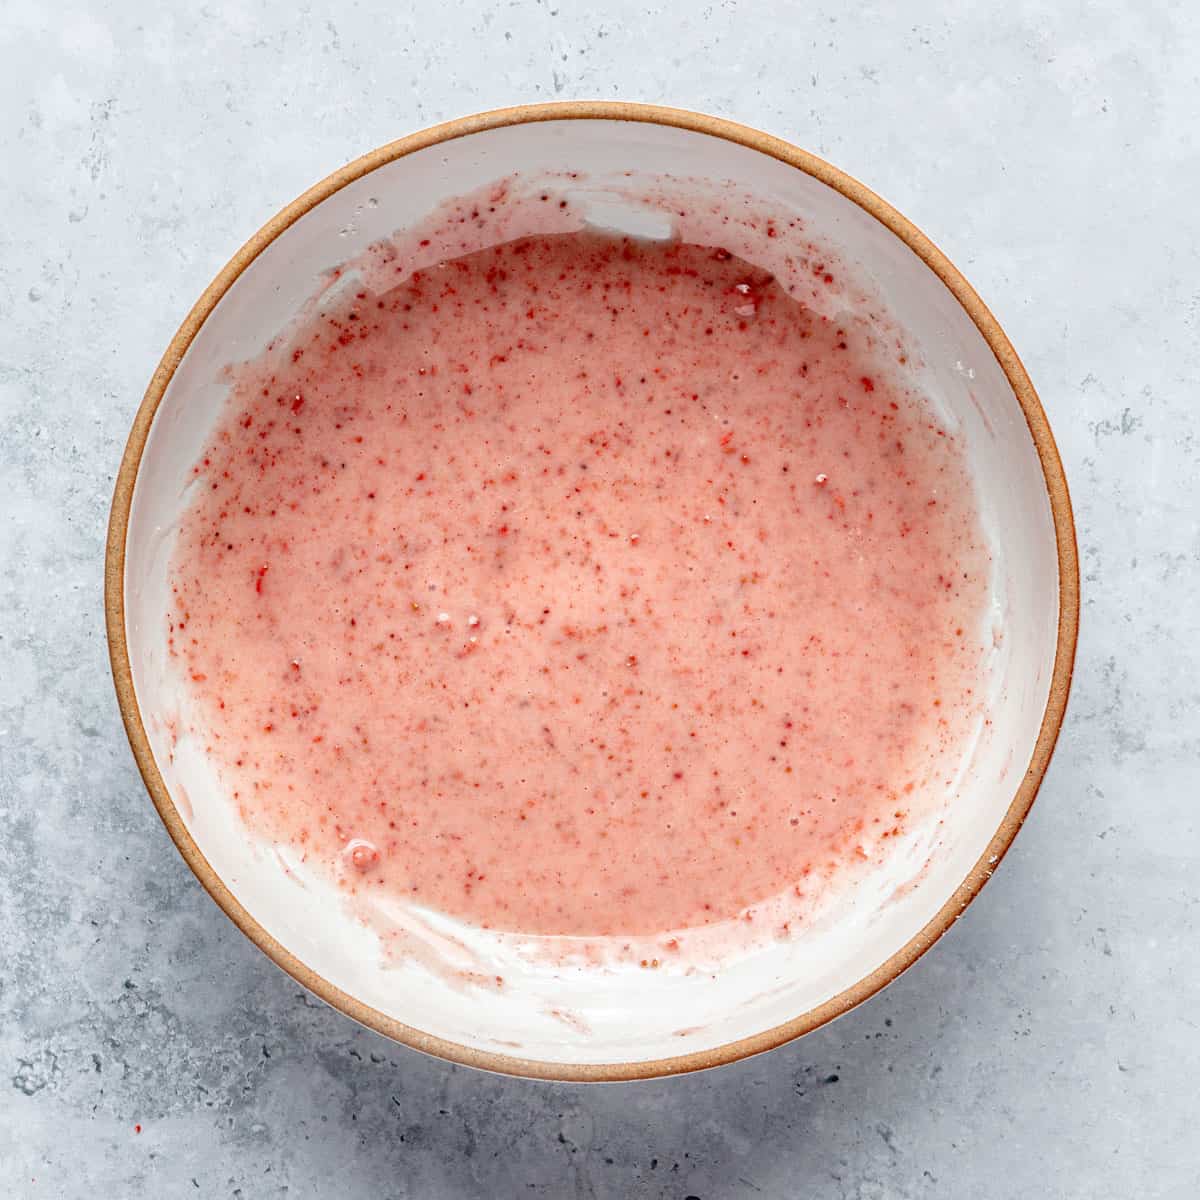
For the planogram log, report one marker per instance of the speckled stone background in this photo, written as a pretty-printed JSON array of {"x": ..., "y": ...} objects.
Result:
[{"x": 1048, "y": 1047}]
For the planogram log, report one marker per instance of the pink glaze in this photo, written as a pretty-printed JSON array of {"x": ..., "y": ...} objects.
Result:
[{"x": 581, "y": 586}]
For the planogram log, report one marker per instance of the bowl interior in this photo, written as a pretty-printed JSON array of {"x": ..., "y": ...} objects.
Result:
[{"x": 616, "y": 1016}]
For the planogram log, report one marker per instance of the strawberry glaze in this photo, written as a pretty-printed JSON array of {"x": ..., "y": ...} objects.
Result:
[{"x": 581, "y": 585}]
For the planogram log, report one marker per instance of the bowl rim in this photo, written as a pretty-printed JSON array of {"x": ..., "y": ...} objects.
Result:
[{"x": 1056, "y": 488}]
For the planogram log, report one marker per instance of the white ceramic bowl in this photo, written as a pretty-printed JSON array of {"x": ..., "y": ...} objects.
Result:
[{"x": 587, "y": 1023}]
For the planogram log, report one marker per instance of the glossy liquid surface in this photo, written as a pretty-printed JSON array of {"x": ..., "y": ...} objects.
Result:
[{"x": 581, "y": 585}]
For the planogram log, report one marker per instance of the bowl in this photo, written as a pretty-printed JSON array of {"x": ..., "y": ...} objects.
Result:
[{"x": 589, "y": 1023}]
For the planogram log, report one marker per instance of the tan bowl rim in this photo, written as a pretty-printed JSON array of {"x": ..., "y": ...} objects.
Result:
[{"x": 1056, "y": 488}]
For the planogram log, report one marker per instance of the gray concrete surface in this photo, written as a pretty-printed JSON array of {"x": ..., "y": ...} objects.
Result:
[{"x": 1048, "y": 1047}]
